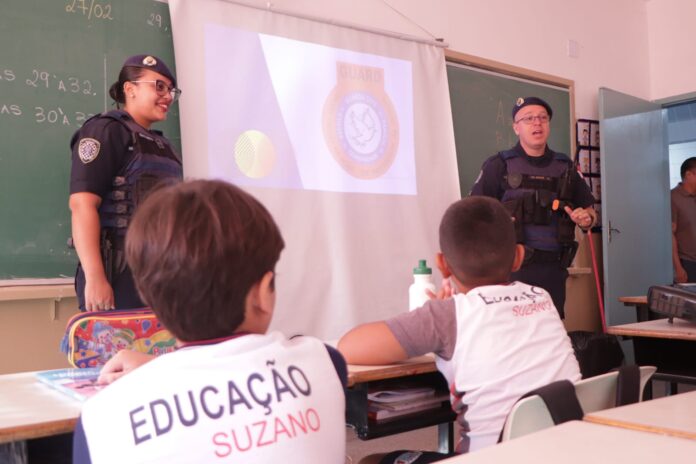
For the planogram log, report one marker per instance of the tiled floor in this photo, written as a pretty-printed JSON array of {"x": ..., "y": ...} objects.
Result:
[{"x": 356, "y": 449}]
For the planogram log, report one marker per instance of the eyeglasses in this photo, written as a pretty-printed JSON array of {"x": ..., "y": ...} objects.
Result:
[
  {"x": 163, "y": 89},
  {"x": 542, "y": 118}
]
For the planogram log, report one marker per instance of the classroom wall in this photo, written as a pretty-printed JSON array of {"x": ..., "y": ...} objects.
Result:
[
  {"x": 31, "y": 331},
  {"x": 671, "y": 47},
  {"x": 611, "y": 37}
]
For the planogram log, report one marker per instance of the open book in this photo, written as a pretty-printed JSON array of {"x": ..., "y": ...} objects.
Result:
[{"x": 80, "y": 384}]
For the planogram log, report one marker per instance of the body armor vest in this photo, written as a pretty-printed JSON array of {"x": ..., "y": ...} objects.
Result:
[
  {"x": 529, "y": 193},
  {"x": 153, "y": 162}
]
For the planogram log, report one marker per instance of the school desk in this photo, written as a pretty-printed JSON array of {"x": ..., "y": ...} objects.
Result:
[
  {"x": 580, "y": 442},
  {"x": 419, "y": 371},
  {"x": 670, "y": 346},
  {"x": 31, "y": 410},
  {"x": 641, "y": 305},
  {"x": 671, "y": 415}
]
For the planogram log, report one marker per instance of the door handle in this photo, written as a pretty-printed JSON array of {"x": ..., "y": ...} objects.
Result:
[{"x": 612, "y": 231}]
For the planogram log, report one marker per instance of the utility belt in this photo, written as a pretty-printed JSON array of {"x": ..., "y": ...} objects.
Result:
[
  {"x": 565, "y": 256},
  {"x": 113, "y": 253}
]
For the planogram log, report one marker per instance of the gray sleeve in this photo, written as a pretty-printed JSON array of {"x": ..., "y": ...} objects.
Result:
[{"x": 430, "y": 328}]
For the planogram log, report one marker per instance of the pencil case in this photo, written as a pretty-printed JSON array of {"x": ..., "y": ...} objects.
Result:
[{"x": 92, "y": 338}]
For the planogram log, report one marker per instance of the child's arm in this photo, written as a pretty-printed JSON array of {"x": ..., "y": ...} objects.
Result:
[
  {"x": 121, "y": 364},
  {"x": 372, "y": 343}
]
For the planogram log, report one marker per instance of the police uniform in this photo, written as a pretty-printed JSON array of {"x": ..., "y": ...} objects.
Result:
[
  {"x": 118, "y": 160},
  {"x": 528, "y": 186}
]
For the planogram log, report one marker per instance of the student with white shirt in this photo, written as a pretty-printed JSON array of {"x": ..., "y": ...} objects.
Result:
[
  {"x": 494, "y": 340},
  {"x": 203, "y": 255}
]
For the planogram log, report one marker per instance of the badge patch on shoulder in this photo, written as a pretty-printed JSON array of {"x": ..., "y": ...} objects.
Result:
[{"x": 88, "y": 149}]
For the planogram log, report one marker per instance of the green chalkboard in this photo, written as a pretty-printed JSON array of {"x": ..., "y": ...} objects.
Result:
[
  {"x": 57, "y": 60},
  {"x": 481, "y": 105}
]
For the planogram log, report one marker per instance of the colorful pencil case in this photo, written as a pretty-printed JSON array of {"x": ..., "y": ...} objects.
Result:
[{"x": 92, "y": 338}]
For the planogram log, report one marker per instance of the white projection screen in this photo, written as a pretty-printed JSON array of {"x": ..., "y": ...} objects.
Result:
[{"x": 344, "y": 135}]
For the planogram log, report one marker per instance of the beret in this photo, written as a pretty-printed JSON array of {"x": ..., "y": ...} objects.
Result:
[
  {"x": 150, "y": 62},
  {"x": 526, "y": 101}
]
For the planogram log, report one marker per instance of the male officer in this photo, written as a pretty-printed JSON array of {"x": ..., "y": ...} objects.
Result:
[{"x": 545, "y": 195}]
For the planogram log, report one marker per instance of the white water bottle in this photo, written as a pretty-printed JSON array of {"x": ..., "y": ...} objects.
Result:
[{"x": 422, "y": 281}]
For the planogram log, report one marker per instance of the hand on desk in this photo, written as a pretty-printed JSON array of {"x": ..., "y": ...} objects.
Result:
[{"x": 121, "y": 364}]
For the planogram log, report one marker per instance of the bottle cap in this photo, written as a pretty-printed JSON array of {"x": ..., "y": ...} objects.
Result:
[{"x": 422, "y": 268}]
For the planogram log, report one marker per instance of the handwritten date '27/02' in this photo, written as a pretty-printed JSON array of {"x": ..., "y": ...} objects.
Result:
[{"x": 90, "y": 9}]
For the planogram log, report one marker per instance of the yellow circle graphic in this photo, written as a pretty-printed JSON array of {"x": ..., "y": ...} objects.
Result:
[{"x": 254, "y": 154}]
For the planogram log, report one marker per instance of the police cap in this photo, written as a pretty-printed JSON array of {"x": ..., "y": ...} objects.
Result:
[
  {"x": 526, "y": 101},
  {"x": 150, "y": 62}
]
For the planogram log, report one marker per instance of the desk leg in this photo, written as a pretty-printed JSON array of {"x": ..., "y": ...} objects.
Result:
[
  {"x": 445, "y": 437},
  {"x": 14, "y": 452}
]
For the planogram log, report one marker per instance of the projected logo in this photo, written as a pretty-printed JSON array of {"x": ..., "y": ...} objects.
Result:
[{"x": 360, "y": 125}]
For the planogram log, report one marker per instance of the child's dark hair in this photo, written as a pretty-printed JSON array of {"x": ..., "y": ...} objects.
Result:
[
  {"x": 128, "y": 73},
  {"x": 477, "y": 239},
  {"x": 196, "y": 249}
]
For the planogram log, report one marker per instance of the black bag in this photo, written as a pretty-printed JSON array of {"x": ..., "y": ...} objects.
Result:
[{"x": 597, "y": 353}]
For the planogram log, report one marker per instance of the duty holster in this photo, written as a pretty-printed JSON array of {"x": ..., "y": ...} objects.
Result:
[
  {"x": 568, "y": 251},
  {"x": 107, "y": 252}
]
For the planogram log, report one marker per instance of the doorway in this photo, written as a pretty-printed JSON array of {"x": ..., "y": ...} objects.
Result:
[{"x": 681, "y": 137}]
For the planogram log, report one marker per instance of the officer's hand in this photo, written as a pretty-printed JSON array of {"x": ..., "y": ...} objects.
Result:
[
  {"x": 99, "y": 296},
  {"x": 680, "y": 276},
  {"x": 121, "y": 364},
  {"x": 580, "y": 216}
]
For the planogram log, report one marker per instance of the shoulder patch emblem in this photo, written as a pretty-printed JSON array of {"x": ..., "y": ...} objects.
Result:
[{"x": 88, "y": 149}]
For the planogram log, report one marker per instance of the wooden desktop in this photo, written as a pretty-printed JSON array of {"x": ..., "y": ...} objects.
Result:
[{"x": 657, "y": 342}]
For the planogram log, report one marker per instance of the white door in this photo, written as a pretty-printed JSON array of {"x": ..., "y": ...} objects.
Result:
[{"x": 636, "y": 218}]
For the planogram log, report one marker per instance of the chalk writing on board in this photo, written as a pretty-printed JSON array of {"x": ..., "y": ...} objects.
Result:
[
  {"x": 90, "y": 9},
  {"x": 47, "y": 115},
  {"x": 68, "y": 84},
  {"x": 42, "y": 79},
  {"x": 56, "y": 115},
  {"x": 7, "y": 75},
  {"x": 156, "y": 20},
  {"x": 504, "y": 138}
]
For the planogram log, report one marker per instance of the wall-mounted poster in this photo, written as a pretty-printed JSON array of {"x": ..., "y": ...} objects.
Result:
[
  {"x": 594, "y": 135},
  {"x": 584, "y": 160},
  {"x": 596, "y": 189},
  {"x": 594, "y": 162},
  {"x": 583, "y": 133}
]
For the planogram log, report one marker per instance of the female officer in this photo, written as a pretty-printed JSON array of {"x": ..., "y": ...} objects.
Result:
[{"x": 116, "y": 160}]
